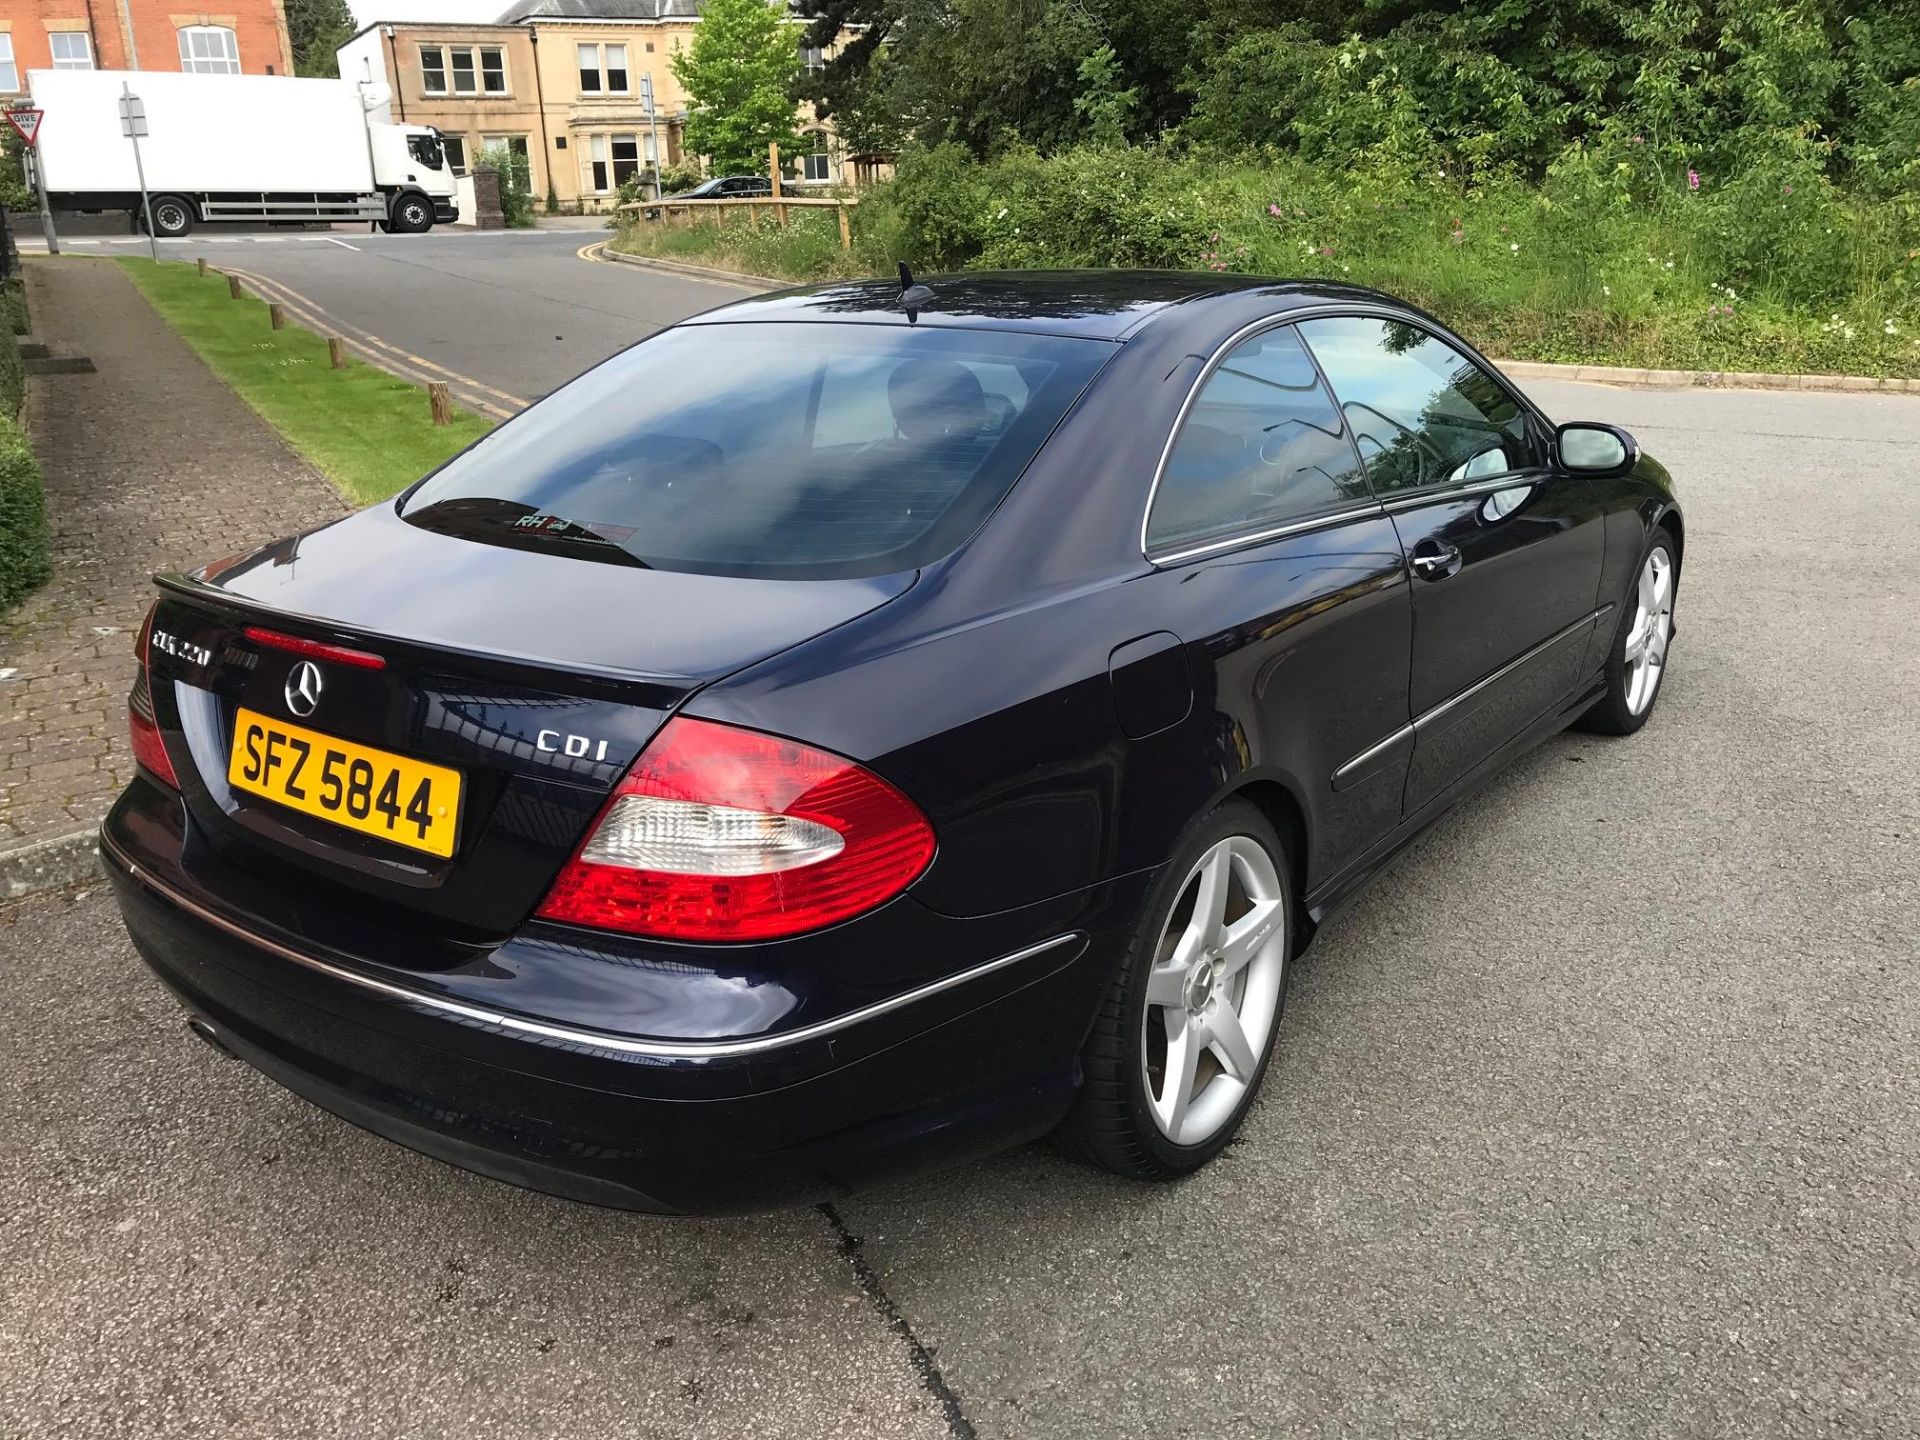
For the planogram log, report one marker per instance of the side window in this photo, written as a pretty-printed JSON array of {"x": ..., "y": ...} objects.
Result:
[
  {"x": 1420, "y": 411},
  {"x": 1262, "y": 444}
]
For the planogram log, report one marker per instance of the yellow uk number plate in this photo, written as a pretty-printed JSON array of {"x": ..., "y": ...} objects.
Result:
[{"x": 373, "y": 791}]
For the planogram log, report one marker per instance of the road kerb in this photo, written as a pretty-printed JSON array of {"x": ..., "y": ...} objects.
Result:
[
  {"x": 744, "y": 281},
  {"x": 49, "y": 864}
]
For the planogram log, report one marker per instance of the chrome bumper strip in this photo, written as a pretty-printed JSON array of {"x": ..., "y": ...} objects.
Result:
[{"x": 569, "y": 1035}]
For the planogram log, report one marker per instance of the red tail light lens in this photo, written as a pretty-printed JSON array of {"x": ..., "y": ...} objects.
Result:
[
  {"x": 719, "y": 833},
  {"x": 149, "y": 751}
]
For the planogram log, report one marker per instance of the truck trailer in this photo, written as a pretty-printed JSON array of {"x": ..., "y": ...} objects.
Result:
[{"x": 237, "y": 147}]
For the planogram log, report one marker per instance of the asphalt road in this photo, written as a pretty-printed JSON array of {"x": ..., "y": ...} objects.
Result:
[
  {"x": 1598, "y": 1116},
  {"x": 506, "y": 315}
]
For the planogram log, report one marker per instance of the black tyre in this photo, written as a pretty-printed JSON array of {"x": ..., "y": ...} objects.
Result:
[
  {"x": 1637, "y": 664},
  {"x": 1182, "y": 1040},
  {"x": 410, "y": 214},
  {"x": 172, "y": 216}
]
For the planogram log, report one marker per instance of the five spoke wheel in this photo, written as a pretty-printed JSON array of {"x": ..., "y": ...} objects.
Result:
[
  {"x": 1646, "y": 653},
  {"x": 1213, "y": 992}
]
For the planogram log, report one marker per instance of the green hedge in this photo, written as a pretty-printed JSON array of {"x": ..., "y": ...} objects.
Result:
[
  {"x": 13, "y": 377},
  {"x": 13, "y": 308},
  {"x": 23, "y": 511}
]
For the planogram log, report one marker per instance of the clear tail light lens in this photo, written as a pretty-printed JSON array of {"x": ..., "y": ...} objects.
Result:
[
  {"x": 149, "y": 751},
  {"x": 719, "y": 833}
]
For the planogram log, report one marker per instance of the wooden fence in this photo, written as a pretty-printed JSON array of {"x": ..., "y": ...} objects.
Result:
[{"x": 685, "y": 212}]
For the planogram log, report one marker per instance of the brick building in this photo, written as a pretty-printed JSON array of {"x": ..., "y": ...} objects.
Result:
[{"x": 244, "y": 37}]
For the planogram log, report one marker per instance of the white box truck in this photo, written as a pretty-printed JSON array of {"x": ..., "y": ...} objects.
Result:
[{"x": 238, "y": 147}]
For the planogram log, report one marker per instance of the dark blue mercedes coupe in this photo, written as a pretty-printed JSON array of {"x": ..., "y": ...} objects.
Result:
[{"x": 872, "y": 725}]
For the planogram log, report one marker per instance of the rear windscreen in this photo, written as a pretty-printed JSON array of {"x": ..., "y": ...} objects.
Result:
[{"x": 796, "y": 451}]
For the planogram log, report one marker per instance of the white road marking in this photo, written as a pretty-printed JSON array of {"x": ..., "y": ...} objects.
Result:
[
  {"x": 270, "y": 239},
  {"x": 341, "y": 243}
]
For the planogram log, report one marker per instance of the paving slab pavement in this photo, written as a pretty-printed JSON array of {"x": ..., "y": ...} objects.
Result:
[{"x": 149, "y": 464}]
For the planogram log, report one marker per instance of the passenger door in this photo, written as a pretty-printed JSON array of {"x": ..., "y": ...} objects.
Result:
[{"x": 1504, "y": 550}]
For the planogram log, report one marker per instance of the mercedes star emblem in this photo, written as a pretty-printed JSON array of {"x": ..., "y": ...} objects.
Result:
[{"x": 303, "y": 688}]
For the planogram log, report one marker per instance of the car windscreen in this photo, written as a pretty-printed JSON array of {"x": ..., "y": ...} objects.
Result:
[{"x": 780, "y": 450}]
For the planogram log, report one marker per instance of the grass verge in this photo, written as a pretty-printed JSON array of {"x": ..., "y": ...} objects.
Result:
[
  {"x": 1608, "y": 260},
  {"x": 365, "y": 430}
]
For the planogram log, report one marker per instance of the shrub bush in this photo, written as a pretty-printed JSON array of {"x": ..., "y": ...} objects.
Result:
[
  {"x": 23, "y": 517},
  {"x": 516, "y": 186},
  {"x": 13, "y": 377},
  {"x": 13, "y": 308}
]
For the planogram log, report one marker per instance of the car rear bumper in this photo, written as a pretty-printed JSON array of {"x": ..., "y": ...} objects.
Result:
[{"x": 622, "y": 1120}]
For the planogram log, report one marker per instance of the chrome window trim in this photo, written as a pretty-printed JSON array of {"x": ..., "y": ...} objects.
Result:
[
  {"x": 1291, "y": 317},
  {"x": 1506, "y": 480},
  {"x": 1239, "y": 538},
  {"x": 570, "y": 1035}
]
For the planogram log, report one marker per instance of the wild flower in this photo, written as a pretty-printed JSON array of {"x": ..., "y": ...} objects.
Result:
[
  {"x": 1892, "y": 329},
  {"x": 1786, "y": 189},
  {"x": 1693, "y": 179},
  {"x": 1637, "y": 140},
  {"x": 1606, "y": 290},
  {"x": 1515, "y": 247},
  {"x": 1326, "y": 250},
  {"x": 1274, "y": 210}
]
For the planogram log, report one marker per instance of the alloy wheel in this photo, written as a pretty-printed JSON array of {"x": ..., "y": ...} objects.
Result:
[
  {"x": 1646, "y": 652},
  {"x": 1213, "y": 993}
]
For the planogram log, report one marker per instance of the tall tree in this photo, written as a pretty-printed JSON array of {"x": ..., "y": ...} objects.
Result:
[
  {"x": 317, "y": 28},
  {"x": 738, "y": 73}
]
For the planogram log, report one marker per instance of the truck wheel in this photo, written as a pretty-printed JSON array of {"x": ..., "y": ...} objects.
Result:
[
  {"x": 172, "y": 216},
  {"x": 411, "y": 215}
]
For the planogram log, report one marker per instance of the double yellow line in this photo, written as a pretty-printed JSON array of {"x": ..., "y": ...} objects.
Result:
[{"x": 473, "y": 394}]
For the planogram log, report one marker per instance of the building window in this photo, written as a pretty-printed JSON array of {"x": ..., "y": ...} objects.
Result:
[
  {"x": 626, "y": 159},
  {"x": 209, "y": 50},
  {"x": 476, "y": 69},
  {"x": 603, "y": 70},
  {"x": 456, "y": 148},
  {"x": 813, "y": 59},
  {"x": 9, "y": 75},
  {"x": 514, "y": 144},
  {"x": 649, "y": 47},
  {"x": 72, "y": 50},
  {"x": 819, "y": 164},
  {"x": 597, "y": 162}
]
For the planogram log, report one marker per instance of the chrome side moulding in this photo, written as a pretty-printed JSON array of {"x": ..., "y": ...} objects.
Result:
[{"x": 571, "y": 1035}]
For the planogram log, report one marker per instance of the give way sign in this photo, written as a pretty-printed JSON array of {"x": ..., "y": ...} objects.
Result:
[{"x": 27, "y": 122}]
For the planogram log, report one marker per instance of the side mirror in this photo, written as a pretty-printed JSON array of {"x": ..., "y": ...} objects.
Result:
[{"x": 1589, "y": 448}]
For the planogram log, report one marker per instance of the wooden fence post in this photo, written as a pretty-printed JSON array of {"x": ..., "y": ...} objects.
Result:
[
  {"x": 203, "y": 267},
  {"x": 233, "y": 287},
  {"x": 336, "y": 352},
  {"x": 846, "y": 229},
  {"x": 276, "y": 317},
  {"x": 441, "y": 401}
]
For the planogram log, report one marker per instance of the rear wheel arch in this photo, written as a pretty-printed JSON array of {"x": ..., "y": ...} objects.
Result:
[{"x": 1288, "y": 816}]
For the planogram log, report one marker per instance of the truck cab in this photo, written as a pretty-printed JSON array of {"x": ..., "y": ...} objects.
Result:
[{"x": 410, "y": 168}]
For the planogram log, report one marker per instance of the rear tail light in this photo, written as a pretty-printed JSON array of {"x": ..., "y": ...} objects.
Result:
[
  {"x": 149, "y": 751},
  {"x": 719, "y": 833}
]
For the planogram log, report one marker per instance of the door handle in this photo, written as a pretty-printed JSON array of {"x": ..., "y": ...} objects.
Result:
[{"x": 1433, "y": 561}]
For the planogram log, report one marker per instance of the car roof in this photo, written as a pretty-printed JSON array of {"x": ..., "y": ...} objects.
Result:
[{"x": 1095, "y": 304}]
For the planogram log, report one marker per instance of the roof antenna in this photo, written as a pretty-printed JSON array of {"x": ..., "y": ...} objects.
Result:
[{"x": 913, "y": 297}]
